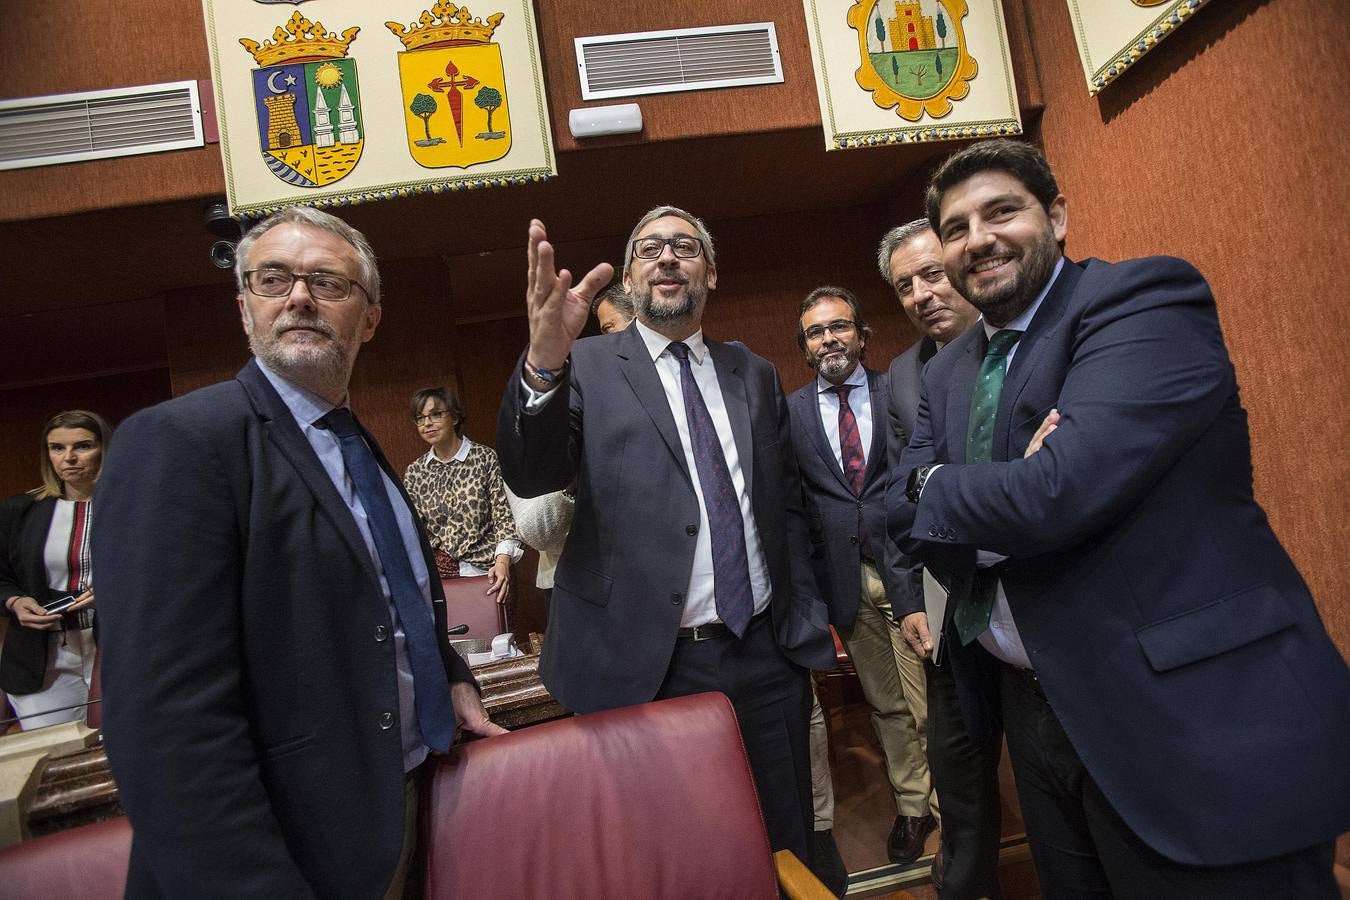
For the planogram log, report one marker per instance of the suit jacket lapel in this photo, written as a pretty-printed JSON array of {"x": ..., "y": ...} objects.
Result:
[
  {"x": 281, "y": 429},
  {"x": 1029, "y": 349},
  {"x": 639, "y": 369},
  {"x": 808, "y": 412},
  {"x": 964, "y": 371},
  {"x": 732, "y": 381},
  {"x": 878, "y": 388}
]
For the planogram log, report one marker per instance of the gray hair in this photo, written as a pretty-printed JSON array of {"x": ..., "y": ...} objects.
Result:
[
  {"x": 660, "y": 212},
  {"x": 307, "y": 215},
  {"x": 893, "y": 240}
]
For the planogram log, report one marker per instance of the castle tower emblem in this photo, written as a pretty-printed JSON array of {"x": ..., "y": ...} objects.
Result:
[
  {"x": 912, "y": 54},
  {"x": 306, "y": 96},
  {"x": 454, "y": 88}
]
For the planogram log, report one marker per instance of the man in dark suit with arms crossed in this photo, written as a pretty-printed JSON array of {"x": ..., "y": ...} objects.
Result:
[
  {"x": 274, "y": 645},
  {"x": 1172, "y": 703},
  {"x": 686, "y": 568}
]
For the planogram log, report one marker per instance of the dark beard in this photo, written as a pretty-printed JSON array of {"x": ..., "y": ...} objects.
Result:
[{"x": 1001, "y": 306}]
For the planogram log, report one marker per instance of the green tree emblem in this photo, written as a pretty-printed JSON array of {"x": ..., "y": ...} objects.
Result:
[
  {"x": 489, "y": 100},
  {"x": 424, "y": 106}
]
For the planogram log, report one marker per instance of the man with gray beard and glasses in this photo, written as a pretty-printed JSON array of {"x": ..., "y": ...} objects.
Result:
[
  {"x": 686, "y": 568},
  {"x": 274, "y": 649}
]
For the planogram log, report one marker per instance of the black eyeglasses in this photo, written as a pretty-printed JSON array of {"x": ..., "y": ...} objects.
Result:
[
  {"x": 838, "y": 328},
  {"x": 683, "y": 247},
  {"x": 277, "y": 283}
]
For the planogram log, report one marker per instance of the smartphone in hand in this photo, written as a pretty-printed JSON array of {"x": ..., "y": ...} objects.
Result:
[{"x": 59, "y": 605}]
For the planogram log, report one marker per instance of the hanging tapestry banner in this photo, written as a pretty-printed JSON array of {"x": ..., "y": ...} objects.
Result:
[
  {"x": 897, "y": 71},
  {"x": 439, "y": 99},
  {"x": 1113, "y": 35}
]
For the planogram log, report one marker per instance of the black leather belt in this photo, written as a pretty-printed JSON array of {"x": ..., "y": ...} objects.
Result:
[
  {"x": 715, "y": 630},
  {"x": 1029, "y": 679}
]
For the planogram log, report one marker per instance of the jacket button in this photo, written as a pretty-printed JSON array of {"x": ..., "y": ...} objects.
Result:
[
  {"x": 860, "y": 504},
  {"x": 951, "y": 533},
  {"x": 381, "y": 633},
  {"x": 932, "y": 531},
  {"x": 691, "y": 530},
  {"x": 386, "y": 721},
  {"x": 853, "y": 539},
  {"x": 675, "y": 599}
]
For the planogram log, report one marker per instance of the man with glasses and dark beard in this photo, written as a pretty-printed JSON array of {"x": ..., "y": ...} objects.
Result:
[
  {"x": 686, "y": 568},
  {"x": 274, "y": 650},
  {"x": 1080, "y": 478},
  {"x": 840, "y": 435}
]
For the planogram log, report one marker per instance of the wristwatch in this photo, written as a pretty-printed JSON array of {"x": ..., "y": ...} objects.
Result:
[
  {"x": 549, "y": 377},
  {"x": 917, "y": 476}
]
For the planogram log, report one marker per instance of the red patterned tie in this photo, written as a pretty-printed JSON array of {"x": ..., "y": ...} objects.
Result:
[{"x": 850, "y": 444}]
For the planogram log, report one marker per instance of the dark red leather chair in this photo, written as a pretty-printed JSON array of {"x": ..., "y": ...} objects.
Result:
[
  {"x": 85, "y": 863},
  {"x": 652, "y": 801}
]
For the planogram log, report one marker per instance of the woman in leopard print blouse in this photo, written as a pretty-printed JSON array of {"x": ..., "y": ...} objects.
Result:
[{"x": 457, "y": 489}]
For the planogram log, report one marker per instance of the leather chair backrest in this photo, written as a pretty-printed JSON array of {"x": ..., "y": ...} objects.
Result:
[
  {"x": 649, "y": 801},
  {"x": 85, "y": 863}
]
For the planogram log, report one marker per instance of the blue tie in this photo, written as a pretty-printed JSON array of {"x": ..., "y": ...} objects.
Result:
[
  {"x": 731, "y": 565},
  {"x": 435, "y": 712}
]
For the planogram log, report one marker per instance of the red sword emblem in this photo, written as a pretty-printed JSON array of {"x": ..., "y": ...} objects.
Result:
[{"x": 452, "y": 90}]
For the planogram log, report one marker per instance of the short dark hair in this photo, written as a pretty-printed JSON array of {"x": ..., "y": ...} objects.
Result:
[
  {"x": 92, "y": 422},
  {"x": 446, "y": 396},
  {"x": 1018, "y": 158},
  {"x": 830, "y": 292},
  {"x": 616, "y": 297}
]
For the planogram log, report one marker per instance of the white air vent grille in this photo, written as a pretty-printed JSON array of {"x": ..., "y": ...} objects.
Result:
[
  {"x": 685, "y": 59},
  {"x": 41, "y": 131}
]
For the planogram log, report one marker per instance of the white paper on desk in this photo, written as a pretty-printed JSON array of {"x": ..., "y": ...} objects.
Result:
[{"x": 935, "y": 604}]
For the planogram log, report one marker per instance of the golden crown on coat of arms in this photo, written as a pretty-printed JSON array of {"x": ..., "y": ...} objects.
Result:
[
  {"x": 300, "y": 41},
  {"x": 445, "y": 24}
]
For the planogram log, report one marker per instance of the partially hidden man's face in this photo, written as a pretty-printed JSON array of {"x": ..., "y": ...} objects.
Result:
[
  {"x": 835, "y": 350},
  {"x": 610, "y": 317},
  {"x": 299, "y": 334},
  {"x": 999, "y": 245},
  {"x": 668, "y": 288},
  {"x": 925, "y": 293}
]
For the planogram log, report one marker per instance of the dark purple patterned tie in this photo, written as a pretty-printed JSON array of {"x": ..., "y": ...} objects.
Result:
[
  {"x": 850, "y": 444},
  {"x": 731, "y": 564}
]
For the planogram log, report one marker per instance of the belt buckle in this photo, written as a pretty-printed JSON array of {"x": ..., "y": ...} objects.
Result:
[{"x": 699, "y": 635}]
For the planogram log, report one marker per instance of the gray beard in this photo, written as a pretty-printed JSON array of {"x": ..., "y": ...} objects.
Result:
[
  {"x": 680, "y": 313},
  {"x": 835, "y": 366},
  {"x": 321, "y": 365}
]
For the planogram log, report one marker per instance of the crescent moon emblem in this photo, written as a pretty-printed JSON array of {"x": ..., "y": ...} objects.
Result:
[{"x": 272, "y": 82}]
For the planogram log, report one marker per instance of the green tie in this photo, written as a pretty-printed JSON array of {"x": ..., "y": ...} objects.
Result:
[{"x": 972, "y": 612}]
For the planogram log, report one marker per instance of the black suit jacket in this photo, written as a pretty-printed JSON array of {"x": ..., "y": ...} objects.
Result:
[
  {"x": 24, "y": 523},
  {"x": 837, "y": 516},
  {"x": 249, "y": 675},
  {"x": 1177, "y": 643},
  {"x": 618, "y": 591}
]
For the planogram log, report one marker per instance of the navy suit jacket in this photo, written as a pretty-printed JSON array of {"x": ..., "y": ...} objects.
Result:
[
  {"x": 1175, "y": 640},
  {"x": 837, "y": 516},
  {"x": 618, "y": 590},
  {"x": 249, "y": 675}
]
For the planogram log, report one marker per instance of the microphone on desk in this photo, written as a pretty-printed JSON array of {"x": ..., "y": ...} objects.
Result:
[{"x": 458, "y": 629}]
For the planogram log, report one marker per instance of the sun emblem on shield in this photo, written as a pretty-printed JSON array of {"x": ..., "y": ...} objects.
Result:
[
  {"x": 309, "y": 110},
  {"x": 913, "y": 54},
  {"x": 454, "y": 88}
]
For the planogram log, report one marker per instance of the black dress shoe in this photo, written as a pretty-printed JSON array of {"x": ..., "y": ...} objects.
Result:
[
  {"x": 828, "y": 865},
  {"x": 907, "y": 836}
]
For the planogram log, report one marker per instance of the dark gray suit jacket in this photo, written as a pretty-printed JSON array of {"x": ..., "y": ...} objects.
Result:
[
  {"x": 838, "y": 517},
  {"x": 618, "y": 591},
  {"x": 249, "y": 676}
]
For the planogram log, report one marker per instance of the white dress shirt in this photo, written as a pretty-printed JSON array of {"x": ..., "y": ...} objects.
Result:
[
  {"x": 700, "y": 606},
  {"x": 860, "y": 401}
]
